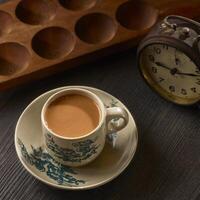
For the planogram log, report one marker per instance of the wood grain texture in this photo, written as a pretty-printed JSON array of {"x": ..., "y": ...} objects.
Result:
[
  {"x": 167, "y": 162},
  {"x": 105, "y": 27}
]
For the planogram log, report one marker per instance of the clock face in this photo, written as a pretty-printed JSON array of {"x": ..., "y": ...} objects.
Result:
[{"x": 171, "y": 73}]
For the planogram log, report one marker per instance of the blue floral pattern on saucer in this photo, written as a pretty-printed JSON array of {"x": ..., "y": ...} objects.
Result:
[{"x": 45, "y": 163}]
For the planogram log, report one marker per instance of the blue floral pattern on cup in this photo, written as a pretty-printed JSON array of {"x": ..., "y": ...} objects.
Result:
[
  {"x": 113, "y": 103},
  {"x": 45, "y": 163},
  {"x": 81, "y": 151}
]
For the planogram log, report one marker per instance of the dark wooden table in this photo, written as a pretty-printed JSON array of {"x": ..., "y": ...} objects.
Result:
[{"x": 167, "y": 162}]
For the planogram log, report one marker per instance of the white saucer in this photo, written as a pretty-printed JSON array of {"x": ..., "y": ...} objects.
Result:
[{"x": 117, "y": 154}]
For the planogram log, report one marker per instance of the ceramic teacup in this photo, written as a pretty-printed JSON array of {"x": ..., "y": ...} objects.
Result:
[{"x": 78, "y": 151}]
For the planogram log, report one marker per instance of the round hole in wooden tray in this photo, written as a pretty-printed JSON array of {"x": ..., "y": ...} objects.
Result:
[
  {"x": 53, "y": 42},
  {"x": 36, "y": 11},
  {"x": 78, "y": 4},
  {"x": 96, "y": 28},
  {"x": 6, "y": 23},
  {"x": 14, "y": 58},
  {"x": 136, "y": 15}
]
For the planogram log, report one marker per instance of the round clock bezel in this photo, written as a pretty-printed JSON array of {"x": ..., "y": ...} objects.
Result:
[{"x": 181, "y": 46}]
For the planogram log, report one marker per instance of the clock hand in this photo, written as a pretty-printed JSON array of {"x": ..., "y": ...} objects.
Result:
[
  {"x": 174, "y": 71},
  {"x": 162, "y": 65},
  {"x": 187, "y": 74}
]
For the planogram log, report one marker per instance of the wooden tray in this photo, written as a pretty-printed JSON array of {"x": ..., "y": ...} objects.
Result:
[{"x": 41, "y": 37}]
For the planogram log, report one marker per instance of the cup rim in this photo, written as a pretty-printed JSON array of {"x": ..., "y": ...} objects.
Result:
[{"x": 98, "y": 101}]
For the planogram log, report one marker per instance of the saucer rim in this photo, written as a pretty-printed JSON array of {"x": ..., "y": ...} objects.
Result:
[{"x": 71, "y": 187}]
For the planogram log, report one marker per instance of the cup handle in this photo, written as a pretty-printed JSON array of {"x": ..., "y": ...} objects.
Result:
[{"x": 116, "y": 119}]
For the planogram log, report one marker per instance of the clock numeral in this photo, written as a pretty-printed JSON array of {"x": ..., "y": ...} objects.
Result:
[
  {"x": 177, "y": 61},
  {"x": 157, "y": 50},
  {"x": 151, "y": 58},
  {"x": 165, "y": 46},
  {"x": 161, "y": 79},
  {"x": 183, "y": 91},
  {"x": 194, "y": 89},
  {"x": 198, "y": 81},
  {"x": 154, "y": 70},
  {"x": 172, "y": 88}
]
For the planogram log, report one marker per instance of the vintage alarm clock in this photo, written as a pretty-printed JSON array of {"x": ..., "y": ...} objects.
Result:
[{"x": 169, "y": 59}]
